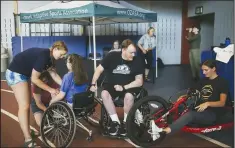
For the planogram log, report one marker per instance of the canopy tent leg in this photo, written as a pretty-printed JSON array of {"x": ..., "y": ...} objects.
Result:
[
  {"x": 21, "y": 37},
  {"x": 89, "y": 33},
  {"x": 94, "y": 46}
]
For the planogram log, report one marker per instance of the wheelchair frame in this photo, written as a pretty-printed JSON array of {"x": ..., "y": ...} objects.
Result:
[{"x": 69, "y": 118}]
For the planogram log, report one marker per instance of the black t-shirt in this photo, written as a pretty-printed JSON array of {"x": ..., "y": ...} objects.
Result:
[
  {"x": 119, "y": 71},
  {"x": 211, "y": 90},
  {"x": 33, "y": 58}
]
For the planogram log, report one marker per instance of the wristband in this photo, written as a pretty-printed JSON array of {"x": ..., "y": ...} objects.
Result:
[
  {"x": 123, "y": 88},
  {"x": 92, "y": 84}
]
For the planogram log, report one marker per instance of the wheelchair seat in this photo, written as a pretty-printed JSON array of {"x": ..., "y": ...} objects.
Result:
[
  {"x": 84, "y": 103},
  {"x": 119, "y": 101}
]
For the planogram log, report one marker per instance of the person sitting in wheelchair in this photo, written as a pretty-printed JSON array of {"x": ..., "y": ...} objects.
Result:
[
  {"x": 74, "y": 82},
  {"x": 41, "y": 98},
  {"x": 124, "y": 80},
  {"x": 213, "y": 95}
]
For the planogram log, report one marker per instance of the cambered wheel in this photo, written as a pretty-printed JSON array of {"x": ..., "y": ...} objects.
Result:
[
  {"x": 58, "y": 125},
  {"x": 140, "y": 120}
]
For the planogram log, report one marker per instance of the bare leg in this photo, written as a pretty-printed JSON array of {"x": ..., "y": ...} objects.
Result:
[
  {"x": 22, "y": 95},
  {"x": 38, "y": 118},
  {"x": 109, "y": 105},
  {"x": 128, "y": 103}
]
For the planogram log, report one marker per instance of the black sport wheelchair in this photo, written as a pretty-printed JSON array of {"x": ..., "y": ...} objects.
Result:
[{"x": 59, "y": 122}]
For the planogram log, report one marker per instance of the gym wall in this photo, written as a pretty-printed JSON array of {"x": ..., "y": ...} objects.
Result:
[
  {"x": 224, "y": 17},
  {"x": 168, "y": 27}
]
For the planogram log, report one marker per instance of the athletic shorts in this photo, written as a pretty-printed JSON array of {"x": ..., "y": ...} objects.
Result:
[
  {"x": 110, "y": 88},
  {"x": 13, "y": 78}
]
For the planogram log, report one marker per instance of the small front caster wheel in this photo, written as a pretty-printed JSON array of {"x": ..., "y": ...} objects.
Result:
[{"x": 89, "y": 138}]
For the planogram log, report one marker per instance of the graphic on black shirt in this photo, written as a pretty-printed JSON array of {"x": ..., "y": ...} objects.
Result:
[
  {"x": 206, "y": 92},
  {"x": 122, "y": 69}
]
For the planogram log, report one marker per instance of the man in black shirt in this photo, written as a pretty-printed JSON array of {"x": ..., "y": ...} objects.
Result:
[{"x": 124, "y": 79}]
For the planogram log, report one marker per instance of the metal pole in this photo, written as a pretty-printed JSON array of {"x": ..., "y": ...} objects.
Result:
[
  {"x": 21, "y": 37},
  {"x": 89, "y": 32},
  {"x": 94, "y": 46},
  {"x": 94, "y": 41},
  {"x": 156, "y": 50}
]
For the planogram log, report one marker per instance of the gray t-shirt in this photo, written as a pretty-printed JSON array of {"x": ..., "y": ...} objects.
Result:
[{"x": 147, "y": 42}]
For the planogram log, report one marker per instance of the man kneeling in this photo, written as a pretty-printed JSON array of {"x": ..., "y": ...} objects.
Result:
[{"x": 124, "y": 79}]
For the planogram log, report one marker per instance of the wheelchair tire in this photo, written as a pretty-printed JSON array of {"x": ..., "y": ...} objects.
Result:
[
  {"x": 132, "y": 131},
  {"x": 62, "y": 116}
]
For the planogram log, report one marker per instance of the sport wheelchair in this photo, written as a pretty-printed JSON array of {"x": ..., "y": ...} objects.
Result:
[
  {"x": 58, "y": 125},
  {"x": 156, "y": 110}
]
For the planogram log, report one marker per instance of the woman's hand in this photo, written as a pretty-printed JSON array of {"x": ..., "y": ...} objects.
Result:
[
  {"x": 144, "y": 51},
  {"x": 202, "y": 107},
  {"x": 54, "y": 92}
]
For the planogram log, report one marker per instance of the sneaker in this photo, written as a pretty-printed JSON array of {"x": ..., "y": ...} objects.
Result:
[
  {"x": 122, "y": 129},
  {"x": 138, "y": 117},
  {"x": 113, "y": 129},
  {"x": 155, "y": 130},
  {"x": 147, "y": 79}
]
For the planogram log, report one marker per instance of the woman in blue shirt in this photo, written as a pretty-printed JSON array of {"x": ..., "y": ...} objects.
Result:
[{"x": 75, "y": 81}]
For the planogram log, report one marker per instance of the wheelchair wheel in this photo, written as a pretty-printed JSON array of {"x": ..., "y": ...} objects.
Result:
[
  {"x": 58, "y": 125},
  {"x": 141, "y": 120}
]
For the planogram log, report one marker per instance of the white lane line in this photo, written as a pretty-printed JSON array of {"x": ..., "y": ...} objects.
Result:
[
  {"x": 212, "y": 140},
  {"x": 32, "y": 128},
  {"x": 199, "y": 135},
  {"x": 129, "y": 141},
  {"x": 10, "y": 91}
]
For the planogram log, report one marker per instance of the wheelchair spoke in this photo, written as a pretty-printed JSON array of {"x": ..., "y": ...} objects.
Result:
[{"x": 49, "y": 130}]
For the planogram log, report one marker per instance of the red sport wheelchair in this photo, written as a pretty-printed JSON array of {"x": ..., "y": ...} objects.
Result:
[{"x": 154, "y": 109}]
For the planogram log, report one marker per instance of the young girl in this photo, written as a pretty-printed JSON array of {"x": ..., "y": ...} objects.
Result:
[
  {"x": 41, "y": 98},
  {"x": 214, "y": 92},
  {"x": 75, "y": 81},
  {"x": 30, "y": 64}
]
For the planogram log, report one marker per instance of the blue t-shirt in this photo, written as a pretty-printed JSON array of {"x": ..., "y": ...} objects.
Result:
[
  {"x": 69, "y": 87},
  {"x": 33, "y": 58}
]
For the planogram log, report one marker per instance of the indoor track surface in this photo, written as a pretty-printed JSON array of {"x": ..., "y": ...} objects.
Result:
[{"x": 11, "y": 134}]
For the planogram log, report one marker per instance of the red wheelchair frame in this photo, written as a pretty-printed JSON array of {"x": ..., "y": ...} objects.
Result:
[{"x": 174, "y": 110}]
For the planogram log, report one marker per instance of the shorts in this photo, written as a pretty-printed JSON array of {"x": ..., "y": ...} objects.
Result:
[
  {"x": 35, "y": 108},
  {"x": 110, "y": 88},
  {"x": 13, "y": 78}
]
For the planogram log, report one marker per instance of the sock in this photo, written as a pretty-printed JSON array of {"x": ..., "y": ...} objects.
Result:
[
  {"x": 125, "y": 116},
  {"x": 114, "y": 117}
]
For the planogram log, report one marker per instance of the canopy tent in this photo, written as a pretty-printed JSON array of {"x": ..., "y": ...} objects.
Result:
[
  {"x": 80, "y": 12},
  {"x": 87, "y": 13}
]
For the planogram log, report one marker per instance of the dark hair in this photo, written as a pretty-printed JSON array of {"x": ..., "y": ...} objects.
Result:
[
  {"x": 114, "y": 42},
  {"x": 210, "y": 63},
  {"x": 80, "y": 75},
  {"x": 126, "y": 43},
  {"x": 45, "y": 75},
  {"x": 150, "y": 29}
]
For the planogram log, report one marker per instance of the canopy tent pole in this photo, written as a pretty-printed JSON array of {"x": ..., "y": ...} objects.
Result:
[
  {"x": 94, "y": 46},
  {"x": 21, "y": 37},
  {"x": 94, "y": 41},
  {"x": 89, "y": 33}
]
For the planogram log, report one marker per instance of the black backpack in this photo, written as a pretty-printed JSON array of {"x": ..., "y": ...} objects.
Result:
[{"x": 160, "y": 64}]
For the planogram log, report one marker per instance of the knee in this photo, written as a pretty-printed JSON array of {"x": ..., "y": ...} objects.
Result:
[
  {"x": 129, "y": 97},
  {"x": 105, "y": 95},
  {"x": 24, "y": 106}
]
